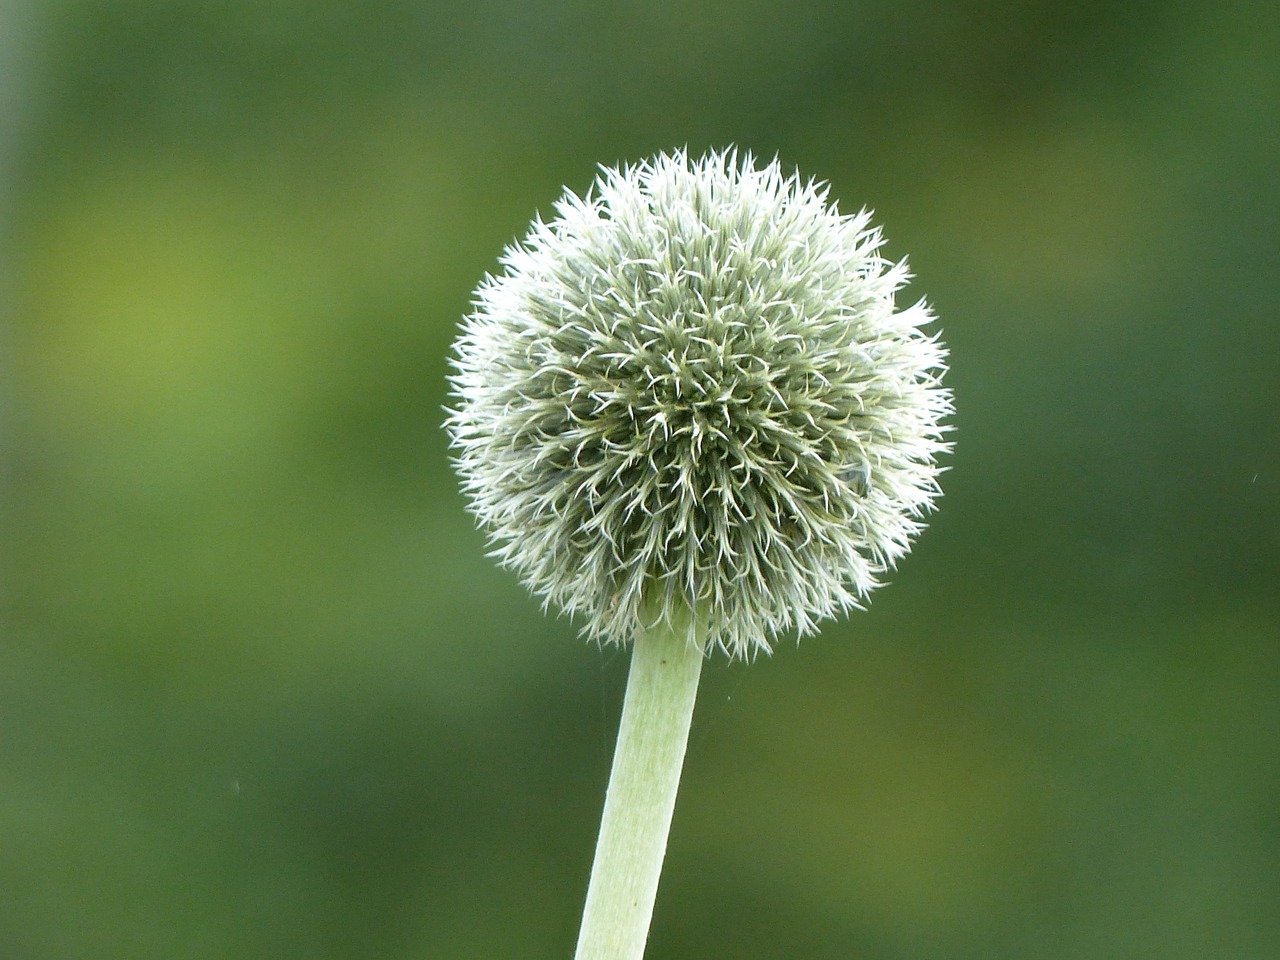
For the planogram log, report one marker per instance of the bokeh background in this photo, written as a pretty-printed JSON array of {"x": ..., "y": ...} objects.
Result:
[{"x": 263, "y": 696}]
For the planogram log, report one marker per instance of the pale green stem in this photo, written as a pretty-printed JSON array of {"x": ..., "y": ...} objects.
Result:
[{"x": 652, "y": 737}]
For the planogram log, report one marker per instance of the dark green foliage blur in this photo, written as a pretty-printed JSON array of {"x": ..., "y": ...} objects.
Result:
[{"x": 263, "y": 696}]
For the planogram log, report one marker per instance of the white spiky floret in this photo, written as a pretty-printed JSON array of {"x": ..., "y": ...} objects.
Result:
[{"x": 690, "y": 397}]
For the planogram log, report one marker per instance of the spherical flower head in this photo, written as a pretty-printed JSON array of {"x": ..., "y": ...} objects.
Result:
[{"x": 690, "y": 398}]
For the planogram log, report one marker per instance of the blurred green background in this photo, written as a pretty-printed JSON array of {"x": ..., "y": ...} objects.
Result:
[{"x": 263, "y": 696}]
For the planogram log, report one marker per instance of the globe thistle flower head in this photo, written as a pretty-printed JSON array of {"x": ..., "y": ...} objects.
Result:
[{"x": 690, "y": 398}]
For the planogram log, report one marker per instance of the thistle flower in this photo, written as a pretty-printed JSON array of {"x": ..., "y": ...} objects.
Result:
[
  {"x": 690, "y": 411},
  {"x": 690, "y": 400}
]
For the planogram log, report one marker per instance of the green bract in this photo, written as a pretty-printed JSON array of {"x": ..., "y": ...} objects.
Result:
[{"x": 690, "y": 397}]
